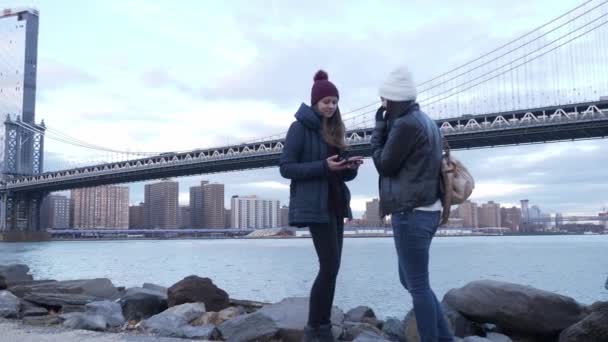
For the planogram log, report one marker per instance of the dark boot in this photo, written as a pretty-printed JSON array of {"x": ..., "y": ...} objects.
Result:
[
  {"x": 325, "y": 334},
  {"x": 310, "y": 334}
]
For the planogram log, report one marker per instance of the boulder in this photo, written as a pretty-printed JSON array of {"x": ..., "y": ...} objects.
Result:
[
  {"x": 516, "y": 308},
  {"x": 369, "y": 337},
  {"x": 217, "y": 318},
  {"x": 134, "y": 290},
  {"x": 459, "y": 324},
  {"x": 359, "y": 313},
  {"x": 23, "y": 288},
  {"x": 101, "y": 288},
  {"x": 255, "y": 326},
  {"x": 393, "y": 328},
  {"x": 9, "y": 305},
  {"x": 57, "y": 300},
  {"x": 156, "y": 288},
  {"x": 291, "y": 315},
  {"x": 496, "y": 337},
  {"x": 142, "y": 305},
  {"x": 476, "y": 339},
  {"x": 175, "y": 322},
  {"x": 593, "y": 328},
  {"x": 83, "y": 320},
  {"x": 194, "y": 289},
  {"x": 13, "y": 273},
  {"x": 30, "y": 309},
  {"x": 44, "y": 321},
  {"x": 111, "y": 311},
  {"x": 351, "y": 330}
]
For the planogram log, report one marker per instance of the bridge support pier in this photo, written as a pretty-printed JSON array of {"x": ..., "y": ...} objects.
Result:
[{"x": 20, "y": 217}]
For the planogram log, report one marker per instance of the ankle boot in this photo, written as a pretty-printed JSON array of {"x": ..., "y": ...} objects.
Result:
[
  {"x": 325, "y": 334},
  {"x": 310, "y": 334}
]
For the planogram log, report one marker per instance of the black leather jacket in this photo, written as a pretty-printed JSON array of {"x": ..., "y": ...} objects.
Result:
[{"x": 407, "y": 154}]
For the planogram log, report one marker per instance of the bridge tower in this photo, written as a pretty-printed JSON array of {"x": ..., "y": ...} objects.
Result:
[{"x": 23, "y": 139}]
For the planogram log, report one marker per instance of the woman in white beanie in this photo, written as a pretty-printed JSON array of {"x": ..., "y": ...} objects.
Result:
[{"x": 407, "y": 151}]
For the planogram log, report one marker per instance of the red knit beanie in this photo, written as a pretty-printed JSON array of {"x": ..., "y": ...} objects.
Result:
[{"x": 322, "y": 88}]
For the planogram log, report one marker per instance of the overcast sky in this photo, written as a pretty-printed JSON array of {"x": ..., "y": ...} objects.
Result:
[{"x": 173, "y": 75}]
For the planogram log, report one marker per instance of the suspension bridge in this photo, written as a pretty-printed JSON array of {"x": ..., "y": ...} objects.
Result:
[{"x": 546, "y": 85}]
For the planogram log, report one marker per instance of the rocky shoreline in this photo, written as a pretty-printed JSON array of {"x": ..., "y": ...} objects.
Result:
[{"x": 195, "y": 308}]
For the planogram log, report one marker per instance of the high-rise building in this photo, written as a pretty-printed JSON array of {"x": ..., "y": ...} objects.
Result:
[
  {"x": 510, "y": 218},
  {"x": 207, "y": 205},
  {"x": 160, "y": 206},
  {"x": 469, "y": 213},
  {"x": 372, "y": 213},
  {"x": 604, "y": 217},
  {"x": 100, "y": 207},
  {"x": 184, "y": 217},
  {"x": 196, "y": 205},
  {"x": 227, "y": 218},
  {"x": 489, "y": 215},
  {"x": 536, "y": 215},
  {"x": 284, "y": 216},
  {"x": 254, "y": 212},
  {"x": 525, "y": 211},
  {"x": 213, "y": 206},
  {"x": 136, "y": 216},
  {"x": 55, "y": 212}
]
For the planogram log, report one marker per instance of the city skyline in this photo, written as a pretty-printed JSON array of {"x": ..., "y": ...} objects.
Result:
[{"x": 206, "y": 203}]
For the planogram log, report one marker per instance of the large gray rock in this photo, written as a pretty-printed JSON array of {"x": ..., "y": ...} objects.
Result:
[
  {"x": 30, "y": 309},
  {"x": 9, "y": 305},
  {"x": 58, "y": 300},
  {"x": 359, "y": 314},
  {"x": 101, "y": 288},
  {"x": 45, "y": 321},
  {"x": 496, "y": 337},
  {"x": 156, "y": 288},
  {"x": 111, "y": 311},
  {"x": 142, "y": 305},
  {"x": 134, "y": 290},
  {"x": 195, "y": 289},
  {"x": 456, "y": 322},
  {"x": 13, "y": 273},
  {"x": 85, "y": 321},
  {"x": 460, "y": 325},
  {"x": 476, "y": 339},
  {"x": 369, "y": 337},
  {"x": 23, "y": 288},
  {"x": 175, "y": 322},
  {"x": 255, "y": 326},
  {"x": 593, "y": 328},
  {"x": 394, "y": 330},
  {"x": 516, "y": 308},
  {"x": 291, "y": 315},
  {"x": 351, "y": 330},
  {"x": 217, "y": 318}
]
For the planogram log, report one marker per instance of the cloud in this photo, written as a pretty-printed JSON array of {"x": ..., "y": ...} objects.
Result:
[
  {"x": 497, "y": 190},
  {"x": 270, "y": 185},
  {"x": 53, "y": 75}
]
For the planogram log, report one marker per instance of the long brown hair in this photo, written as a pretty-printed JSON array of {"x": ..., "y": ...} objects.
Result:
[{"x": 333, "y": 130}]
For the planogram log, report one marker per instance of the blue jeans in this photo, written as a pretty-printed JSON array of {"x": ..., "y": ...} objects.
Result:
[{"x": 413, "y": 232}]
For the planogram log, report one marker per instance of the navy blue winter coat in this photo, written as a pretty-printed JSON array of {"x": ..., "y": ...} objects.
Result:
[{"x": 304, "y": 162}]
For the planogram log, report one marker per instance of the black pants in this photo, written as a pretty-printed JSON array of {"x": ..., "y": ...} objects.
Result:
[{"x": 327, "y": 239}]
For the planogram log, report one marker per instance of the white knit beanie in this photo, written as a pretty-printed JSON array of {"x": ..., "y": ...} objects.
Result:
[{"x": 399, "y": 86}]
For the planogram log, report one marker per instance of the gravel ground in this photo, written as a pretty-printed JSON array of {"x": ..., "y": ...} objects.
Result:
[{"x": 15, "y": 331}]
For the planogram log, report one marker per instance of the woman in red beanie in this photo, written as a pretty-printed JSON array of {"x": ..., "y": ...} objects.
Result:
[{"x": 319, "y": 198}]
